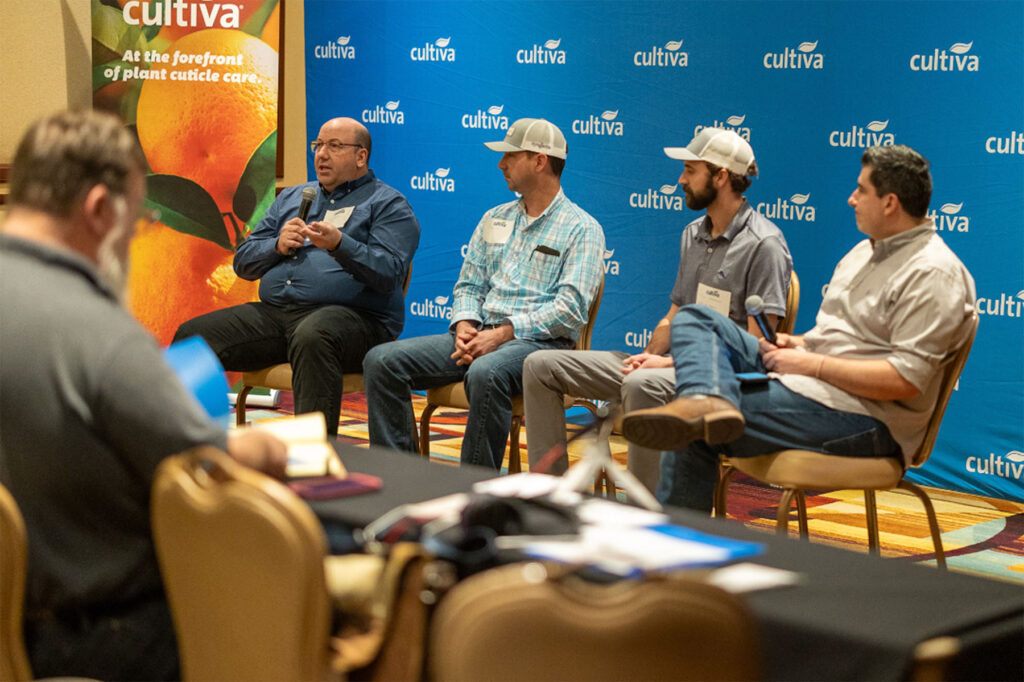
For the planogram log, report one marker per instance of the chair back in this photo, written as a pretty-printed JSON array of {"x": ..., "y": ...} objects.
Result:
[
  {"x": 14, "y": 664},
  {"x": 242, "y": 561},
  {"x": 513, "y": 623},
  {"x": 950, "y": 374},
  {"x": 587, "y": 332},
  {"x": 788, "y": 321}
]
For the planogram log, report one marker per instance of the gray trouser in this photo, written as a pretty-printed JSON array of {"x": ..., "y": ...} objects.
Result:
[{"x": 548, "y": 375}]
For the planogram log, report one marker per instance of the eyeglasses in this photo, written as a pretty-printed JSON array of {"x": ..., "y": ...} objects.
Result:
[{"x": 334, "y": 147}]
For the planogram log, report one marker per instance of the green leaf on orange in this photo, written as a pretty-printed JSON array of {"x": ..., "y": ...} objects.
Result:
[
  {"x": 259, "y": 19},
  {"x": 257, "y": 186},
  {"x": 186, "y": 207},
  {"x": 110, "y": 31}
]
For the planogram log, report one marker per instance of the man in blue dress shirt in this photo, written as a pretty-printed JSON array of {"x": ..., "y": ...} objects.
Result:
[
  {"x": 330, "y": 285},
  {"x": 531, "y": 272}
]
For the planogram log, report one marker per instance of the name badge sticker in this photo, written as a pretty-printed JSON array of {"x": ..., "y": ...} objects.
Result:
[
  {"x": 497, "y": 231},
  {"x": 339, "y": 216},
  {"x": 716, "y": 299}
]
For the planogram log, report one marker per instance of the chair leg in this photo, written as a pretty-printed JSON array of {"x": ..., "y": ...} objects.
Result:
[
  {"x": 871, "y": 510},
  {"x": 722, "y": 490},
  {"x": 933, "y": 522},
  {"x": 782, "y": 516},
  {"x": 425, "y": 430},
  {"x": 243, "y": 395},
  {"x": 801, "y": 514},
  {"x": 515, "y": 465}
]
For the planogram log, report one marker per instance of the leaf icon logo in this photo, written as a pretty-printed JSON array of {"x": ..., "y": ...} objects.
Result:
[
  {"x": 553, "y": 44},
  {"x": 1015, "y": 456},
  {"x": 673, "y": 45},
  {"x": 391, "y": 106},
  {"x": 442, "y": 172},
  {"x": 609, "y": 254},
  {"x": 961, "y": 48},
  {"x": 441, "y": 300},
  {"x": 495, "y": 110},
  {"x": 877, "y": 126},
  {"x": 736, "y": 120},
  {"x": 610, "y": 115},
  {"x": 807, "y": 47},
  {"x": 668, "y": 189},
  {"x": 800, "y": 199},
  {"x": 1020, "y": 294},
  {"x": 443, "y": 42},
  {"x": 343, "y": 40},
  {"x": 951, "y": 209}
]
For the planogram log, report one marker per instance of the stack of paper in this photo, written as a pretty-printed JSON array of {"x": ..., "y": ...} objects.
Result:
[{"x": 309, "y": 453}]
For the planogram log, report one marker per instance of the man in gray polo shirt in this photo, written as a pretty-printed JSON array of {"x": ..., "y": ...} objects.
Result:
[
  {"x": 862, "y": 382},
  {"x": 726, "y": 255},
  {"x": 89, "y": 407}
]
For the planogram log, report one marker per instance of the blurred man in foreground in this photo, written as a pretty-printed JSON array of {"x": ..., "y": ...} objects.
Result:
[{"x": 88, "y": 406}]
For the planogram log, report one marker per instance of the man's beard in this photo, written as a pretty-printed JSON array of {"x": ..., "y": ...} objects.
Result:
[
  {"x": 112, "y": 270},
  {"x": 699, "y": 202}
]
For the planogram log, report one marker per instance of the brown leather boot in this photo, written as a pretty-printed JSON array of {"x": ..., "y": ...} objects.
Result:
[{"x": 673, "y": 426}]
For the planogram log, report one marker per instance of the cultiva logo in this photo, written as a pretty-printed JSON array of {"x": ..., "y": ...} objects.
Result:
[
  {"x": 548, "y": 54},
  {"x": 339, "y": 49},
  {"x": 956, "y": 59},
  {"x": 803, "y": 57},
  {"x": 670, "y": 56}
]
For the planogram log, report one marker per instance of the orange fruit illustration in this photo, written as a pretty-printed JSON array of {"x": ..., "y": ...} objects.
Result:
[
  {"x": 207, "y": 131},
  {"x": 204, "y": 131},
  {"x": 175, "y": 277}
]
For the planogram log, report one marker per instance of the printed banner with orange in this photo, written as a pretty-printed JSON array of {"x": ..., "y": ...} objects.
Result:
[{"x": 197, "y": 81}]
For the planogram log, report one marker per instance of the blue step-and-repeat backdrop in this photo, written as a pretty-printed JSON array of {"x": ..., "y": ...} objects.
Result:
[{"x": 809, "y": 84}]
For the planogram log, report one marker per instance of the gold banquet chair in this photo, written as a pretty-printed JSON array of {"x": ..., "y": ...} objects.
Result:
[
  {"x": 242, "y": 559},
  {"x": 14, "y": 664},
  {"x": 279, "y": 377},
  {"x": 568, "y": 629},
  {"x": 797, "y": 470},
  {"x": 454, "y": 395},
  {"x": 251, "y": 588},
  {"x": 788, "y": 322}
]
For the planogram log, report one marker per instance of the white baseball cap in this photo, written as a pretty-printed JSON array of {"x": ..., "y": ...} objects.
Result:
[
  {"x": 714, "y": 145},
  {"x": 532, "y": 135}
]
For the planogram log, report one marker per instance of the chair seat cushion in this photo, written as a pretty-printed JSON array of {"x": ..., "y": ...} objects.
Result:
[
  {"x": 454, "y": 395},
  {"x": 806, "y": 469},
  {"x": 279, "y": 377},
  {"x": 276, "y": 376}
]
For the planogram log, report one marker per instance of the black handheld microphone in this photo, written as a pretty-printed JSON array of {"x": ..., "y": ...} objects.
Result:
[
  {"x": 755, "y": 308},
  {"x": 308, "y": 194}
]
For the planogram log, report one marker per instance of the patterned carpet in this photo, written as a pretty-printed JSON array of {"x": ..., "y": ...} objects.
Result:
[{"x": 981, "y": 536}]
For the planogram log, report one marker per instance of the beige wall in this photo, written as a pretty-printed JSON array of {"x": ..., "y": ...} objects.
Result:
[{"x": 46, "y": 65}]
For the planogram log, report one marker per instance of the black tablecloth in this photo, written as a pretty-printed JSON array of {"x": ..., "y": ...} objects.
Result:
[{"x": 853, "y": 616}]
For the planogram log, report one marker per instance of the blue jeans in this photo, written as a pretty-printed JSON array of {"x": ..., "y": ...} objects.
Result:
[
  {"x": 709, "y": 350},
  {"x": 392, "y": 370}
]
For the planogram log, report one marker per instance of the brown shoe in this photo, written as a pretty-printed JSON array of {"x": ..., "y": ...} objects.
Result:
[{"x": 675, "y": 425}]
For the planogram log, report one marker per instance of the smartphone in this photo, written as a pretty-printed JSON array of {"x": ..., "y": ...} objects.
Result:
[
  {"x": 331, "y": 487},
  {"x": 752, "y": 377}
]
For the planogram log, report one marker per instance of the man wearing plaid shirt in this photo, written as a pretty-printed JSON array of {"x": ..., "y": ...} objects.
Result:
[{"x": 532, "y": 270}]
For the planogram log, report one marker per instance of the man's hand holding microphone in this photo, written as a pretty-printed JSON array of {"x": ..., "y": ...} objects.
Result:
[{"x": 294, "y": 232}]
